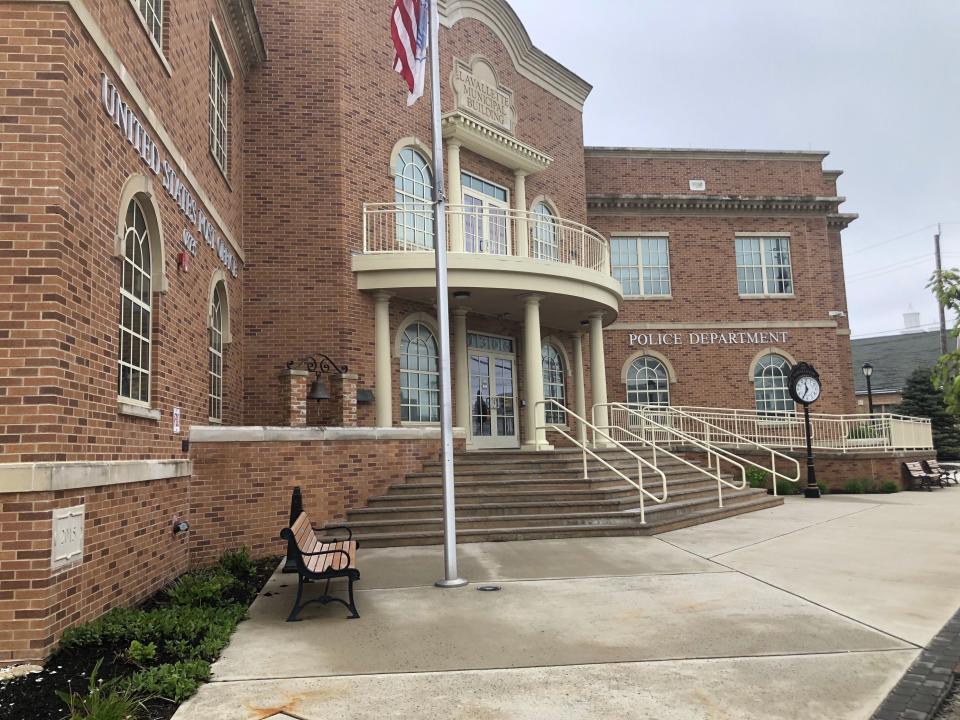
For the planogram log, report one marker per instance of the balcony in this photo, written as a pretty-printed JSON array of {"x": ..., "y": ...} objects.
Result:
[{"x": 497, "y": 254}]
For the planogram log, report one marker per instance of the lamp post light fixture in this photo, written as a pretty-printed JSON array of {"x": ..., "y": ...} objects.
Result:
[
  {"x": 867, "y": 369},
  {"x": 318, "y": 389}
]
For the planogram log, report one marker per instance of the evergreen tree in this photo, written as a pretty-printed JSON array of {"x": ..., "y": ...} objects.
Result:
[{"x": 921, "y": 398}]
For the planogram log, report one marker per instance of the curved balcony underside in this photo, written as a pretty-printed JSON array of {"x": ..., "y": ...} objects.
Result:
[{"x": 498, "y": 256}]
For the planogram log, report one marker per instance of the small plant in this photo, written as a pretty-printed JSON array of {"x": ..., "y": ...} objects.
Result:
[
  {"x": 238, "y": 564},
  {"x": 889, "y": 486},
  {"x": 174, "y": 682},
  {"x": 756, "y": 477},
  {"x": 141, "y": 654},
  {"x": 203, "y": 588},
  {"x": 103, "y": 701},
  {"x": 863, "y": 431},
  {"x": 824, "y": 488},
  {"x": 855, "y": 487},
  {"x": 785, "y": 487}
]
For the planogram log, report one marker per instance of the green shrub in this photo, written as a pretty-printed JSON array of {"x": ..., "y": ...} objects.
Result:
[
  {"x": 824, "y": 489},
  {"x": 174, "y": 682},
  {"x": 855, "y": 487},
  {"x": 141, "y": 654},
  {"x": 785, "y": 487},
  {"x": 103, "y": 701},
  {"x": 202, "y": 588},
  {"x": 863, "y": 431},
  {"x": 756, "y": 477},
  {"x": 889, "y": 486},
  {"x": 238, "y": 564}
]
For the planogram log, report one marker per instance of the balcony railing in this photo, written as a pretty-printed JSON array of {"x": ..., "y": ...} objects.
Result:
[
  {"x": 838, "y": 433},
  {"x": 485, "y": 230}
]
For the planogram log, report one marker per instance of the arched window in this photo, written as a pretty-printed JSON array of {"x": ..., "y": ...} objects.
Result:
[
  {"x": 770, "y": 385},
  {"x": 215, "y": 352},
  {"x": 553, "y": 386},
  {"x": 413, "y": 186},
  {"x": 133, "y": 372},
  {"x": 543, "y": 230},
  {"x": 419, "y": 375},
  {"x": 648, "y": 382}
]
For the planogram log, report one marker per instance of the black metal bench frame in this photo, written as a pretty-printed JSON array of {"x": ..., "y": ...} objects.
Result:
[
  {"x": 922, "y": 479},
  {"x": 305, "y": 575},
  {"x": 941, "y": 473}
]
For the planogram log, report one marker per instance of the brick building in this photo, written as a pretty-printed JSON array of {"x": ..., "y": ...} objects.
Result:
[{"x": 195, "y": 193}]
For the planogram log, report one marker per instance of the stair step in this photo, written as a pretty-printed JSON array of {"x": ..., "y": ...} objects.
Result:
[{"x": 565, "y": 531}]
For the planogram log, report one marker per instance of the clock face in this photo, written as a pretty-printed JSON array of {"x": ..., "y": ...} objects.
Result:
[{"x": 808, "y": 389}]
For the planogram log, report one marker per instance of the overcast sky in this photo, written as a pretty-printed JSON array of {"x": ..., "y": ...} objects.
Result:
[{"x": 875, "y": 82}]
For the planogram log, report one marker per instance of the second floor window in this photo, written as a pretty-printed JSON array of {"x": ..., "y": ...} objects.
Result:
[
  {"x": 152, "y": 13},
  {"x": 641, "y": 264},
  {"x": 219, "y": 88},
  {"x": 763, "y": 266}
]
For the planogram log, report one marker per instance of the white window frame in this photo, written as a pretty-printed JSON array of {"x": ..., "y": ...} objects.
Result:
[
  {"x": 640, "y": 237},
  {"x": 544, "y": 233},
  {"x": 632, "y": 376},
  {"x": 215, "y": 343},
  {"x": 764, "y": 266},
  {"x": 150, "y": 13},
  {"x": 407, "y": 373},
  {"x": 554, "y": 378},
  {"x": 219, "y": 76},
  {"x": 781, "y": 390},
  {"x": 126, "y": 331},
  {"x": 487, "y": 201},
  {"x": 414, "y": 226}
]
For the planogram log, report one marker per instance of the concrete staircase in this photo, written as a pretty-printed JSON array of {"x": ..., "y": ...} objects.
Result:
[{"x": 514, "y": 495}]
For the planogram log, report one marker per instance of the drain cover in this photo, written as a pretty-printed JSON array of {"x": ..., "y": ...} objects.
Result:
[{"x": 488, "y": 588}]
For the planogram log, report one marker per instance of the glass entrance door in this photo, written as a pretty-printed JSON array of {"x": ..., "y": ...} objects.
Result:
[
  {"x": 485, "y": 225},
  {"x": 493, "y": 411}
]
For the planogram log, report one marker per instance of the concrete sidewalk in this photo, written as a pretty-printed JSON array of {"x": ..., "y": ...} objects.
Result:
[{"x": 811, "y": 609}]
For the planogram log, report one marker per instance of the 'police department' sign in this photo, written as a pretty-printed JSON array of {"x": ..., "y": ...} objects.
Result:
[{"x": 708, "y": 338}]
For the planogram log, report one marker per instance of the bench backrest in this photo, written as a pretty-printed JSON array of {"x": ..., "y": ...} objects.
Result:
[
  {"x": 933, "y": 466},
  {"x": 303, "y": 535},
  {"x": 915, "y": 468}
]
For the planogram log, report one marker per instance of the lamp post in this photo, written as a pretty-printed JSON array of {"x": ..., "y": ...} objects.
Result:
[{"x": 867, "y": 369}]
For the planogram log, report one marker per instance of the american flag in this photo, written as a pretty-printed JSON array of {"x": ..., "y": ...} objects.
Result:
[{"x": 410, "y": 29}]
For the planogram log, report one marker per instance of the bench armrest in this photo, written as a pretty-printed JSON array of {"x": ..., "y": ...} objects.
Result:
[
  {"x": 327, "y": 552},
  {"x": 334, "y": 527}
]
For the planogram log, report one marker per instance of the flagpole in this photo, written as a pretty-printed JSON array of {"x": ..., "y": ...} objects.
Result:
[{"x": 451, "y": 577}]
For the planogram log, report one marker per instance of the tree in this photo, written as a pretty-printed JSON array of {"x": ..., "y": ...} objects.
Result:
[
  {"x": 923, "y": 398},
  {"x": 946, "y": 374}
]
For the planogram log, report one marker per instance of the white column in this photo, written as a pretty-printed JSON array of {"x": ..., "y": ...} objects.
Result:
[
  {"x": 598, "y": 373},
  {"x": 580, "y": 396},
  {"x": 455, "y": 195},
  {"x": 533, "y": 375},
  {"x": 461, "y": 369},
  {"x": 522, "y": 239},
  {"x": 383, "y": 372}
]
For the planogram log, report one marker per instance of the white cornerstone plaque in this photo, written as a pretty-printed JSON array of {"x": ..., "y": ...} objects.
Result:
[
  {"x": 477, "y": 91},
  {"x": 67, "y": 536}
]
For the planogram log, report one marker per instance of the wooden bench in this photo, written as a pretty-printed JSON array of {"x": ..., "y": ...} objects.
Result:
[
  {"x": 935, "y": 468},
  {"x": 920, "y": 478},
  {"x": 321, "y": 559}
]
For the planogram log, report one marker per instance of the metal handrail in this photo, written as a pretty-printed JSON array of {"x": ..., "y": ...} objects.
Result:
[
  {"x": 774, "y": 454},
  {"x": 716, "y": 453},
  {"x": 859, "y": 432},
  {"x": 638, "y": 484},
  {"x": 485, "y": 230}
]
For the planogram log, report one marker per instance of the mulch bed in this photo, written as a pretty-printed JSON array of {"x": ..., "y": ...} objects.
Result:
[{"x": 33, "y": 697}]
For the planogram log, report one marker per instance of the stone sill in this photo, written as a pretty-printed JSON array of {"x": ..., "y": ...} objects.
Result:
[
  {"x": 258, "y": 433},
  {"x": 54, "y": 476},
  {"x": 127, "y": 408}
]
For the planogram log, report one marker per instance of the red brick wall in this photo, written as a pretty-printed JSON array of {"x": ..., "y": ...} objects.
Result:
[
  {"x": 129, "y": 553},
  {"x": 64, "y": 164}
]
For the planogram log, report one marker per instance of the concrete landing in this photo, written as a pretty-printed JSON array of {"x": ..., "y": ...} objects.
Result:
[{"x": 813, "y": 609}]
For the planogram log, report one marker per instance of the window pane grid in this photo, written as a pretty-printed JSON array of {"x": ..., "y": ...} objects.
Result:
[
  {"x": 413, "y": 191},
  {"x": 648, "y": 382},
  {"x": 763, "y": 266},
  {"x": 133, "y": 363},
  {"x": 770, "y": 386},
  {"x": 553, "y": 385},
  {"x": 419, "y": 375},
  {"x": 218, "y": 101},
  {"x": 152, "y": 13},
  {"x": 641, "y": 265},
  {"x": 544, "y": 232},
  {"x": 215, "y": 393}
]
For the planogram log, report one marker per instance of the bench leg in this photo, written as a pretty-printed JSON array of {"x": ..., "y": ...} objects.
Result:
[
  {"x": 352, "y": 606},
  {"x": 292, "y": 617}
]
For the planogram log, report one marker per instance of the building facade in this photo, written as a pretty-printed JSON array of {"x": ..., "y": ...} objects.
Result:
[{"x": 196, "y": 194}]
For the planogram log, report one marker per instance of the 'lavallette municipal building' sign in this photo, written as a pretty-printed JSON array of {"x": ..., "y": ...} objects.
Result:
[{"x": 477, "y": 91}]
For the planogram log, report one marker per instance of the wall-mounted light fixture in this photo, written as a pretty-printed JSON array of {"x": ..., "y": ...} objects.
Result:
[
  {"x": 318, "y": 389},
  {"x": 364, "y": 396}
]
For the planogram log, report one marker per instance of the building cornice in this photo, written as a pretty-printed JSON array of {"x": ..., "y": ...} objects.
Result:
[
  {"x": 532, "y": 63},
  {"x": 245, "y": 28},
  {"x": 840, "y": 221},
  {"x": 703, "y": 153},
  {"x": 494, "y": 144},
  {"x": 608, "y": 202}
]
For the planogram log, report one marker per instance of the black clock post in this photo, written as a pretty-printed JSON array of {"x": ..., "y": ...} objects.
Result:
[{"x": 804, "y": 386}]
